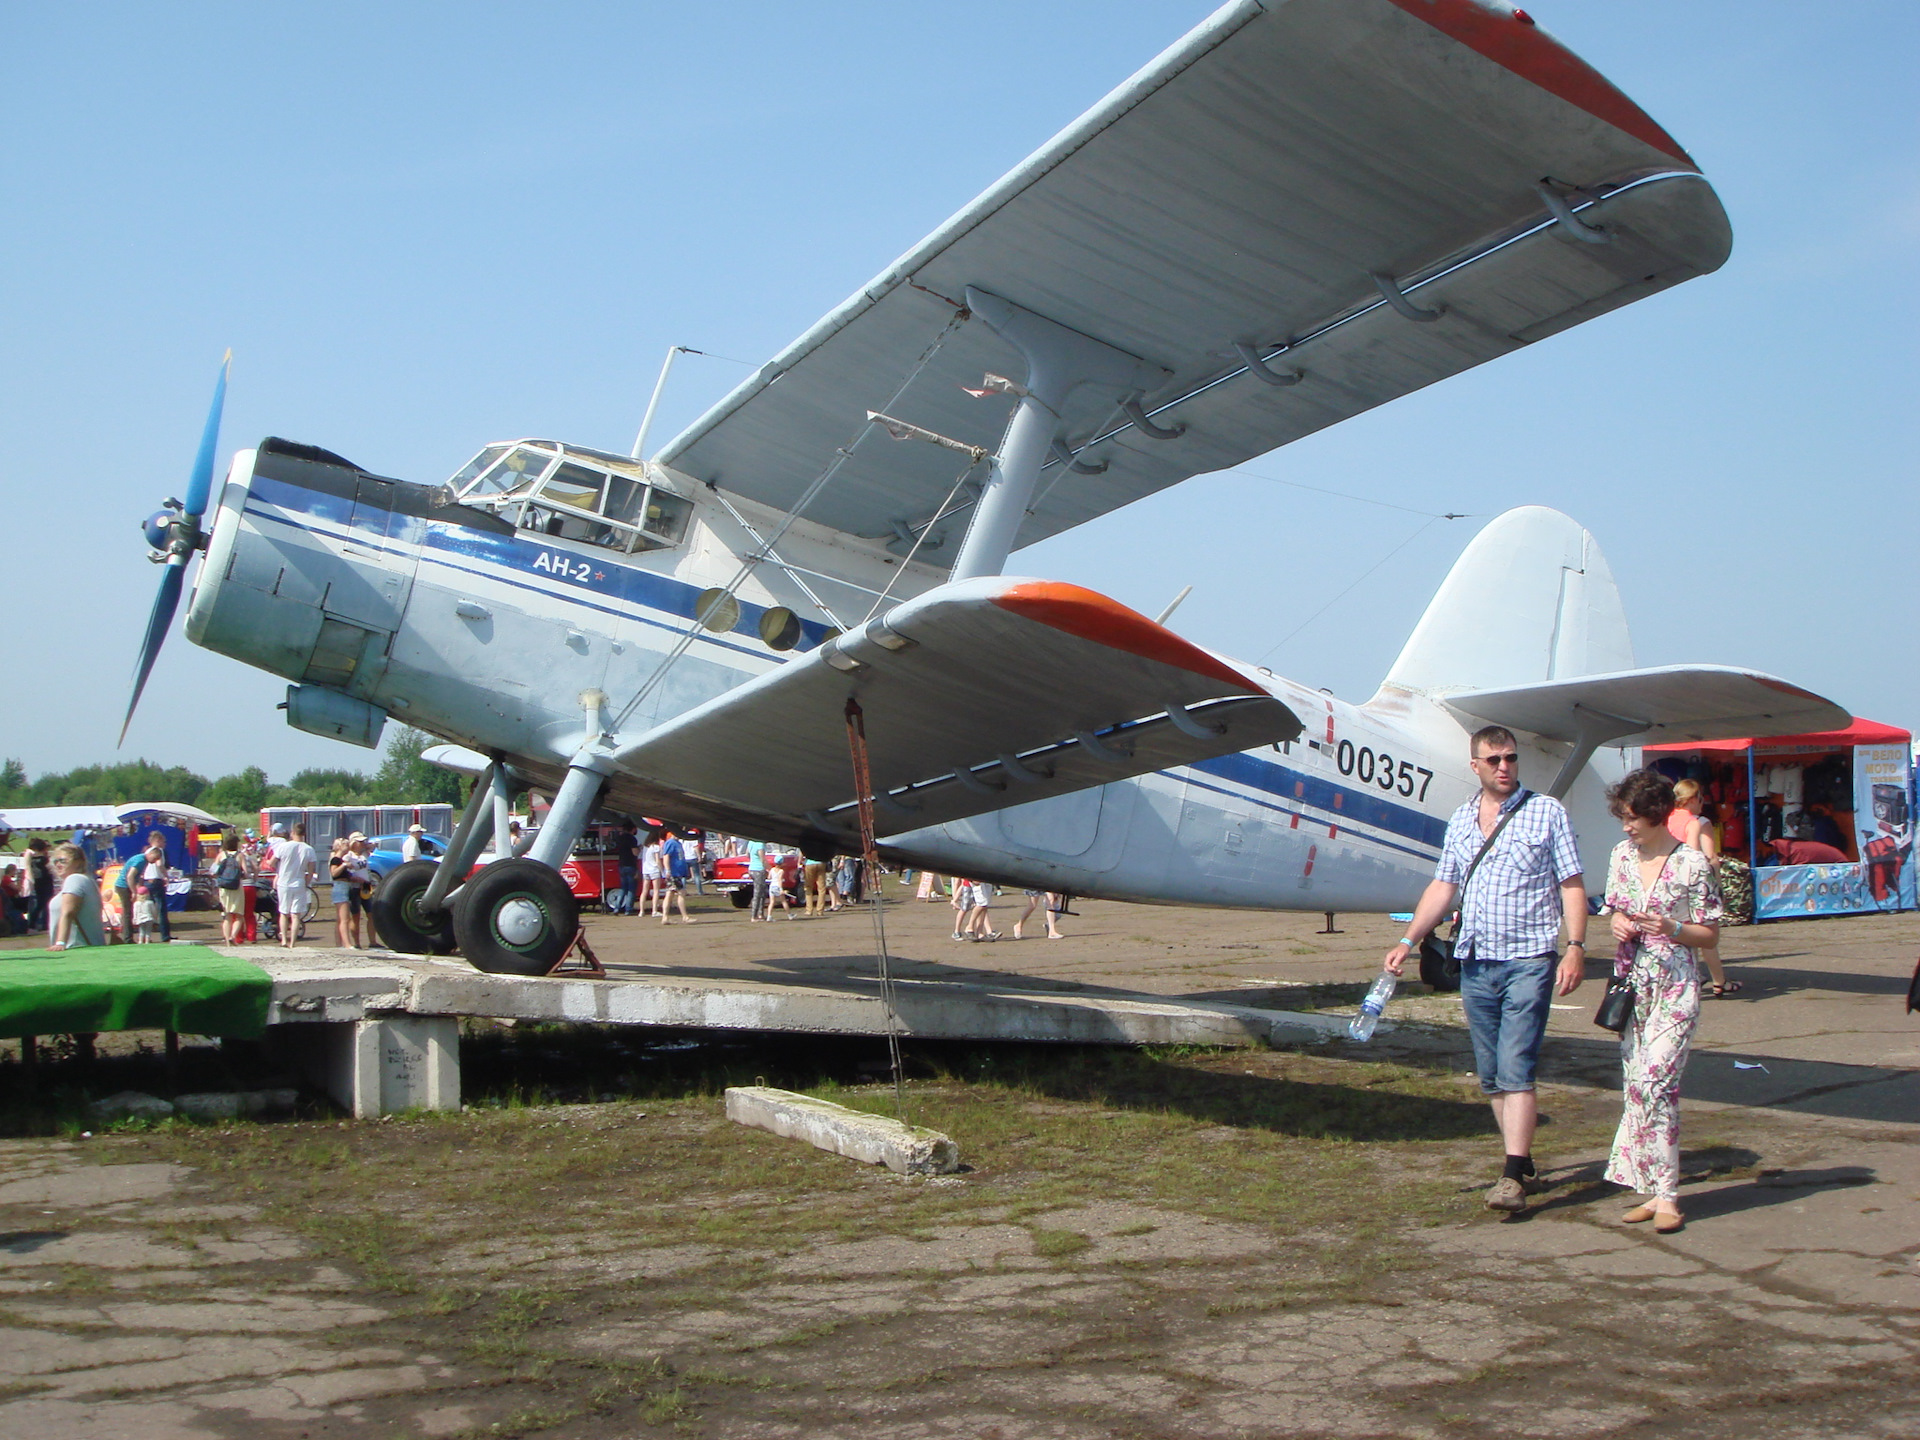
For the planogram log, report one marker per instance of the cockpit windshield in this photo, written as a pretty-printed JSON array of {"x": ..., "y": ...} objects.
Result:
[{"x": 555, "y": 490}]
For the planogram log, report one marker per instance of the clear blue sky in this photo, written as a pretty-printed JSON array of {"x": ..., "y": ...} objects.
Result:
[{"x": 424, "y": 227}]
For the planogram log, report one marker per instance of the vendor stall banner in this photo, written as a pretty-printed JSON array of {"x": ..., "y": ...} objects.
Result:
[
  {"x": 1787, "y": 892},
  {"x": 1883, "y": 818}
]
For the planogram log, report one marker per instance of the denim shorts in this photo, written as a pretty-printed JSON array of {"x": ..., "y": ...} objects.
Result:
[{"x": 1507, "y": 1004}]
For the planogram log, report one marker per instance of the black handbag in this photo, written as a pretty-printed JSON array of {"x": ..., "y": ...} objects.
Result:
[{"x": 1616, "y": 1006}]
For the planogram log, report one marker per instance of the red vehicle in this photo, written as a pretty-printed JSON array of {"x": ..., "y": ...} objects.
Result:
[
  {"x": 590, "y": 870},
  {"x": 730, "y": 875}
]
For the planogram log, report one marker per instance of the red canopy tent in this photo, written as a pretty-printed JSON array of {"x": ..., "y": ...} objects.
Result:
[
  {"x": 1861, "y": 732},
  {"x": 1873, "y": 812}
]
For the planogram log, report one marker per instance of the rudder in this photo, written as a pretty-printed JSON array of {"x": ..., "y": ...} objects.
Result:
[{"x": 1530, "y": 599}]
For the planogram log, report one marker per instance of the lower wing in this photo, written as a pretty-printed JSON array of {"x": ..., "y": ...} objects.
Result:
[{"x": 975, "y": 696}]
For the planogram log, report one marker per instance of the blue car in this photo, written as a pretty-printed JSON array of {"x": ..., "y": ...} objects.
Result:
[{"x": 386, "y": 851}]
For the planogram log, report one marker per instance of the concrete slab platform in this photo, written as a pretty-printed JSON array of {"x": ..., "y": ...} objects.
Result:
[{"x": 378, "y": 1030}]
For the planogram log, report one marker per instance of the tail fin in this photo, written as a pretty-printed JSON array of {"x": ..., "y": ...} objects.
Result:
[{"x": 1530, "y": 599}]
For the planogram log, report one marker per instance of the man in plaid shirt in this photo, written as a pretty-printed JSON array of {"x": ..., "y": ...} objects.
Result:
[{"x": 1526, "y": 882}]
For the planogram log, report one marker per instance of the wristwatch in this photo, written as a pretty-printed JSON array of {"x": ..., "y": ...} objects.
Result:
[{"x": 1581, "y": 943}]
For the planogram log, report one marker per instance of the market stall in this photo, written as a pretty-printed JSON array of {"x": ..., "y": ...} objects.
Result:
[{"x": 1825, "y": 820}]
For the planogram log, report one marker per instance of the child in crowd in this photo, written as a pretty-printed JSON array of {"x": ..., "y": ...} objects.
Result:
[{"x": 146, "y": 915}]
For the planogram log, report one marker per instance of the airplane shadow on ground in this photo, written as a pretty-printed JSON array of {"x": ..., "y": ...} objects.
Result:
[{"x": 1804, "y": 1086}]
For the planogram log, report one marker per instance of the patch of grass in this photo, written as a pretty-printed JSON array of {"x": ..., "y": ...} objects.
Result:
[
  {"x": 1131, "y": 1230},
  {"x": 1059, "y": 1244}
]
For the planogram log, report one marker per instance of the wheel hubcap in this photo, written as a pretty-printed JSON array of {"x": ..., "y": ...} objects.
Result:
[{"x": 519, "y": 922}]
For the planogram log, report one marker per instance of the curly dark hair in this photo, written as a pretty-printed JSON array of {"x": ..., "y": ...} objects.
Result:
[{"x": 1645, "y": 793}]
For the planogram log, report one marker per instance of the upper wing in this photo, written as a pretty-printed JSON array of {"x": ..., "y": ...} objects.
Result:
[
  {"x": 1243, "y": 188},
  {"x": 975, "y": 696},
  {"x": 1660, "y": 706}
]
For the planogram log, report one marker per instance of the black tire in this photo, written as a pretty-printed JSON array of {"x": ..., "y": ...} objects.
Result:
[
  {"x": 516, "y": 917},
  {"x": 398, "y": 919},
  {"x": 741, "y": 898},
  {"x": 1438, "y": 968}
]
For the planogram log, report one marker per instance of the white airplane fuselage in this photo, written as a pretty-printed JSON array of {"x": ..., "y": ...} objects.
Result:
[{"x": 379, "y": 599}]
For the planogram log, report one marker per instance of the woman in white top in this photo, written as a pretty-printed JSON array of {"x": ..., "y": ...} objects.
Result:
[
  {"x": 73, "y": 919},
  {"x": 653, "y": 869}
]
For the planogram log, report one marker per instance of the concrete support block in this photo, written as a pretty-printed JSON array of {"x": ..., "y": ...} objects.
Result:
[
  {"x": 374, "y": 1067},
  {"x": 903, "y": 1149}
]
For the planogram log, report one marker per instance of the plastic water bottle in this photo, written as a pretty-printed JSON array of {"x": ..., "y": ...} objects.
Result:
[{"x": 1363, "y": 1024}]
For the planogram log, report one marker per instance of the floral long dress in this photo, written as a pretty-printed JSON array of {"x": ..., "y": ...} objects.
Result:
[{"x": 1666, "y": 1004}]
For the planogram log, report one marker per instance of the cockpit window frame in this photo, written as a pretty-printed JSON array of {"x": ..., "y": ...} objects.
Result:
[{"x": 529, "y": 506}]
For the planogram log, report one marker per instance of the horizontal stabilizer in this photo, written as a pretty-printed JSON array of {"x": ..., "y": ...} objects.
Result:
[
  {"x": 976, "y": 696},
  {"x": 1665, "y": 705}
]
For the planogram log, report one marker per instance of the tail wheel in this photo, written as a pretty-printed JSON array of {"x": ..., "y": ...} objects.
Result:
[
  {"x": 402, "y": 922},
  {"x": 1438, "y": 967},
  {"x": 741, "y": 898},
  {"x": 516, "y": 917}
]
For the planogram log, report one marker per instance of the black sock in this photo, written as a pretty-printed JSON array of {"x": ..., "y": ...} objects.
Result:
[{"x": 1519, "y": 1167}]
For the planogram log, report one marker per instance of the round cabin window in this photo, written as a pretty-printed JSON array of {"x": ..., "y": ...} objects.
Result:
[
  {"x": 717, "y": 610},
  {"x": 780, "y": 628}
]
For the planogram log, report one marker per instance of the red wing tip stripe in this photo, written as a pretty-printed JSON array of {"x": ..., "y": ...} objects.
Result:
[
  {"x": 1092, "y": 616},
  {"x": 1516, "y": 44}
]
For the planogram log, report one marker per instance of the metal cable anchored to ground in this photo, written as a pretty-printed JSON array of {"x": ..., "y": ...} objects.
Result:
[{"x": 863, "y": 801}]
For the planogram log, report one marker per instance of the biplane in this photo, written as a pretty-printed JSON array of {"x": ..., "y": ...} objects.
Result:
[{"x": 1300, "y": 210}]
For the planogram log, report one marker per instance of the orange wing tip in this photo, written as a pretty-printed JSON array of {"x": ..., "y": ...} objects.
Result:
[
  {"x": 1090, "y": 615},
  {"x": 1512, "y": 41}
]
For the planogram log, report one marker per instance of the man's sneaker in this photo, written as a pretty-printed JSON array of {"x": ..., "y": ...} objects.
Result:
[{"x": 1507, "y": 1194}]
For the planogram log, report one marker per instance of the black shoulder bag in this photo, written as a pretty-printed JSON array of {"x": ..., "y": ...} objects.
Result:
[
  {"x": 1438, "y": 965},
  {"x": 1616, "y": 1006}
]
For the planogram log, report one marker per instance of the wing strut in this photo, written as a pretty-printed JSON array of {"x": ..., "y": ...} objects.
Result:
[{"x": 1059, "y": 361}]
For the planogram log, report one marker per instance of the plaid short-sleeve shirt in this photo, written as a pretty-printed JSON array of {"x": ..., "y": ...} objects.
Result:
[{"x": 1511, "y": 911}]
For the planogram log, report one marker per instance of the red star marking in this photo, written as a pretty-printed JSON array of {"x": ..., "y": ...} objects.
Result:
[{"x": 599, "y": 574}]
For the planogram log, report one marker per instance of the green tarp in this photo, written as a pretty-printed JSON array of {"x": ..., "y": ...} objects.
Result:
[{"x": 131, "y": 987}]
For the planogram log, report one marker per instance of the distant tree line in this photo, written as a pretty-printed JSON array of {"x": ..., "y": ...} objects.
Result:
[{"x": 402, "y": 778}]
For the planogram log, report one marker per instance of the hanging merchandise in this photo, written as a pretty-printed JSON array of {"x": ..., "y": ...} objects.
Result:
[
  {"x": 1825, "y": 820},
  {"x": 1883, "y": 820}
]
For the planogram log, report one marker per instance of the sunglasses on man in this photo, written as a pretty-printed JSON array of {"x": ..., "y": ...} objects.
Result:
[{"x": 1496, "y": 761}]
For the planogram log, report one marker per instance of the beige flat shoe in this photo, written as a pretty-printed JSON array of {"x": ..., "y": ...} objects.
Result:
[{"x": 1638, "y": 1215}]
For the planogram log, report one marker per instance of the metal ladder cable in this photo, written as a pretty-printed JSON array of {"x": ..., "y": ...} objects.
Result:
[
  {"x": 841, "y": 456},
  {"x": 869, "y": 852}
]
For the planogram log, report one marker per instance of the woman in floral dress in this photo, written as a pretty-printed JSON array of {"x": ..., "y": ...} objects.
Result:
[{"x": 1665, "y": 906}]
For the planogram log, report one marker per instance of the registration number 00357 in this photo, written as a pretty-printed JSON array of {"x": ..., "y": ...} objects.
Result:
[{"x": 1377, "y": 767}]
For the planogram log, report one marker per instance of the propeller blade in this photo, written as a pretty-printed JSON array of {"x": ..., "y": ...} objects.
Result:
[
  {"x": 200, "y": 484},
  {"x": 164, "y": 604}
]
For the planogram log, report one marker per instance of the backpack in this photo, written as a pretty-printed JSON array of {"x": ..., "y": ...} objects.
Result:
[{"x": 227, "y": 877}]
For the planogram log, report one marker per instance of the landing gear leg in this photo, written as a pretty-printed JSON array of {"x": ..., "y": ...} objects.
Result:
[{"x": 518, "y": 916}]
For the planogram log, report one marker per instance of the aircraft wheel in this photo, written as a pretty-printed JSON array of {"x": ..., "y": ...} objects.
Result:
[
  {"x": 1437, "y": 965},
  {"x": 516, "y": 917},
  {"x": 741, "y": 898},
  {"x": 399, "y": 919}
]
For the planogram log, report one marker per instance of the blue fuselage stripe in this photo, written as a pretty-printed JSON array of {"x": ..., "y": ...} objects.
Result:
[
  {"x": 606, "y": 580},
  {"x": 1342, "y": 803}
]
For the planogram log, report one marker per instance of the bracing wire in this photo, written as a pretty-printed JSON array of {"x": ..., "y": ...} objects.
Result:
[
  {"x": 685, "y": 640},
  {"x": 1343, "y": 495},
  {"x": 1358, "y": 581},
  {"x": 940, "y": 513}
]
